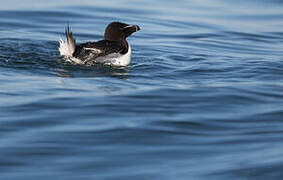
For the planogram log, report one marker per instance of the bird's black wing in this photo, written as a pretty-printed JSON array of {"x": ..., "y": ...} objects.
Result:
[{"x": 91, "y": 51}]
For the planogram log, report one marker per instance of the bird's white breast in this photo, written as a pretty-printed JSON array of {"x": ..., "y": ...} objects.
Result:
[{"x": 122, "y": 59}]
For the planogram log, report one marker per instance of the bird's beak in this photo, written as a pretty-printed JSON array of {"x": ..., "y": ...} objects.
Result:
[
  {"x": 137, "y": 28},
  {"x": 132, "y": 28}
]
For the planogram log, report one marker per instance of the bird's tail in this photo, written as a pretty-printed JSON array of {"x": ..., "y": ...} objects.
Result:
[{"x": 68, "y": 47}]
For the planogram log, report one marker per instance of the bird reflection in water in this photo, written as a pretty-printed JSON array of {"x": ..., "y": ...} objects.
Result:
[{"x": 93, "y": 71}]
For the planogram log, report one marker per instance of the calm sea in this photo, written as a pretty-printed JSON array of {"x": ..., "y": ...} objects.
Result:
[{"x": 202, "y": 98}]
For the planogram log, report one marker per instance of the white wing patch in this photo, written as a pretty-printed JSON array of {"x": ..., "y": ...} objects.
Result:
[{"x": 93, "y": 49}]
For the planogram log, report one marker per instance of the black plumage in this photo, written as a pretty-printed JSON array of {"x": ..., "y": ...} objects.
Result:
[{"x": 90, "y": 51}]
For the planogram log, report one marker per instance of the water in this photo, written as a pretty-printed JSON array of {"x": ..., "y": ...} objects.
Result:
[{"x": 202, "y": 99}]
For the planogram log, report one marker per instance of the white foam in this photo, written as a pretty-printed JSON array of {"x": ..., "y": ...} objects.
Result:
[{"x": 64, "y": 48}]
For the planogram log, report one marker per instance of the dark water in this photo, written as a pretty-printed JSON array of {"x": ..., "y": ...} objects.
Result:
[{"x": 202, "y": 99}]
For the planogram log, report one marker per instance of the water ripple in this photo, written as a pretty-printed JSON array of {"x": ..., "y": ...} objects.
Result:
[{"x": 202, "y": 98}]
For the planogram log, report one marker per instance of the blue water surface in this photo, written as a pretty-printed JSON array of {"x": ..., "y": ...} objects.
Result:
[{"x": 202, "y": 98}]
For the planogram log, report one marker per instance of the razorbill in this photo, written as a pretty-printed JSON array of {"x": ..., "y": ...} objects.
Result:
[{"x": 114, "y": 50}]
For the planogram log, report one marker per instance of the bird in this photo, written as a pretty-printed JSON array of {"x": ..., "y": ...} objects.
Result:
[{"x": 113, "y": 50}]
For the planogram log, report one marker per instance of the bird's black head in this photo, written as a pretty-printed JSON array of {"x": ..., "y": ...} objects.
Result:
[{"x": 117, "y": 31}]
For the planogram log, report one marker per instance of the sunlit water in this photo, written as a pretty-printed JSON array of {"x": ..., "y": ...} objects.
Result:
[{"x": 202, "y": 99}]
